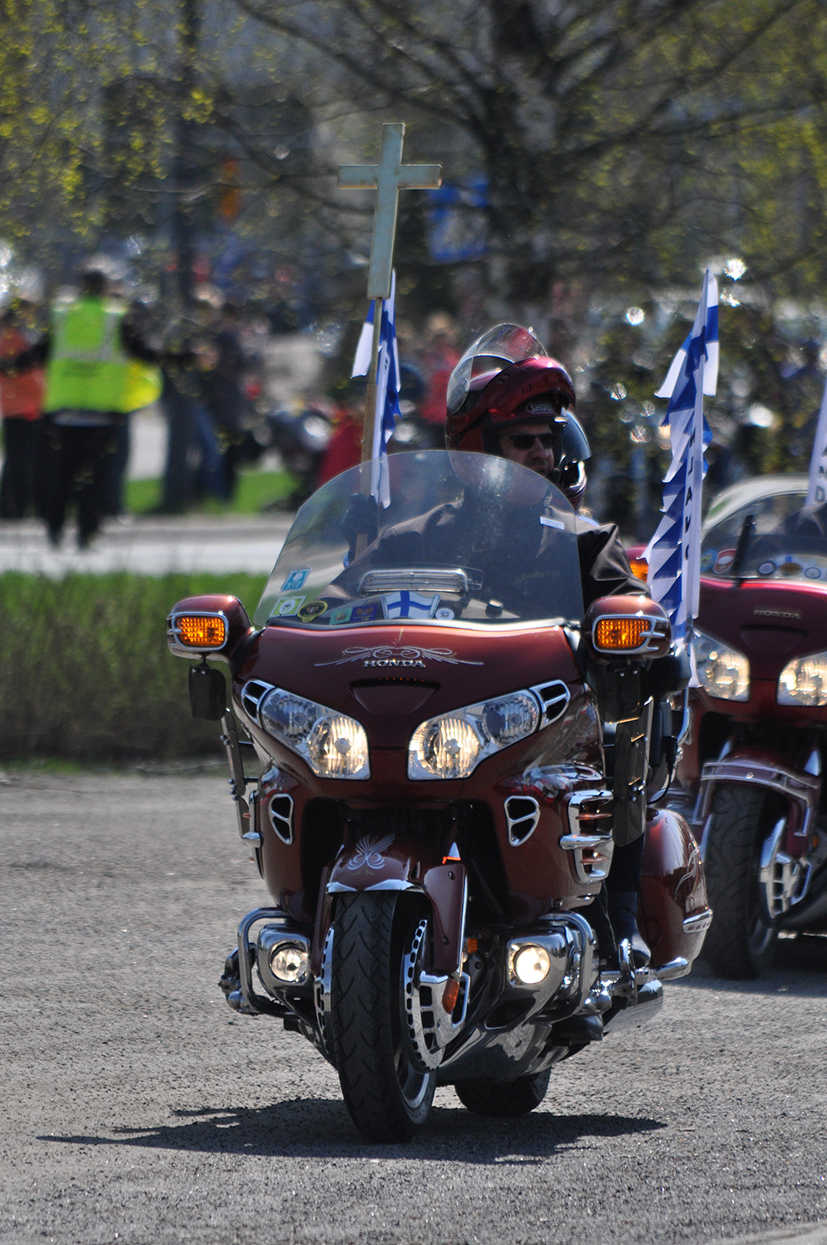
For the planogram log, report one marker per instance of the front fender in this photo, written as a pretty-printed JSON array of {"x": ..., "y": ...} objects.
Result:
[
  {"x": 759, "y": 767},
  {"x": 391, "y": 863}
]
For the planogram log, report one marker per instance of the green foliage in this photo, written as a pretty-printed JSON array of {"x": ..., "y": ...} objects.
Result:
[{"x": 85, "y": 672}]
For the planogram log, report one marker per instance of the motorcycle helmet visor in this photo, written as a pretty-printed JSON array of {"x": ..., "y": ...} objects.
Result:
[{"x": 504, "y": 344}]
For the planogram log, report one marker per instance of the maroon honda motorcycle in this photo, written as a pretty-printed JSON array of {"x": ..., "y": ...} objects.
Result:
[
  {"x": 752, "y": 764},
  {"x": 432, "y": 811}
]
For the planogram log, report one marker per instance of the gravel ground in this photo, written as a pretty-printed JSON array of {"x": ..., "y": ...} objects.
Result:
[{"x": 139, "y": 1109}]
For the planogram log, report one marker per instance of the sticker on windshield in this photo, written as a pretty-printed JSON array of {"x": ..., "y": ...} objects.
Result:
[
  {"x": 812, "y": 572},
  {"x": 707, "y": 559},
  {"x": 766, "y": 568},
  {"x": 312, "y": 610},
  {"x": 295, "y": 579},
  {"x": 723, "y": 561},
  {"x": 364, "y": 612},
  {"x": 444, "y": 614},
  {"x": 288, "y": 607},
  {"x": 547, "y": 522},
  {"x": 407, "y": 604}
]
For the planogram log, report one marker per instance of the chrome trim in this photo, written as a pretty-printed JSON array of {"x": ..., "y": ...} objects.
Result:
[
  {"x": 255, "y": 1002},
  {"x": 698, "y": 922},
  {"x": 273, "y": 936},
  {"x": 282, "y": 822},
  {"x": 251, "y": 697},
  {"x": 554, "y": 698},
  {"x": 430, "y": 1027},
  {"x": 514, "y": 820},
  {"x": 322, "y": 989},
  {"x": 601, "y": 846},
  {"x": 783, "y": 880},
  {"x": 581, "y": 797},
  {"x": 193, "y": 650},
  {"x": 801, "y": 787},
  {"x": 415, "y": 579},
  {"x": 658, "y": 631}
]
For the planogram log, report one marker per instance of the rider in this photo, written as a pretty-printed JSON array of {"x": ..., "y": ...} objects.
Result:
[{"x": 506, "y": 397}]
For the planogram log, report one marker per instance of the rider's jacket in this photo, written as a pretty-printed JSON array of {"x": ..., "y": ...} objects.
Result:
[{"x": 87, "y": 368}]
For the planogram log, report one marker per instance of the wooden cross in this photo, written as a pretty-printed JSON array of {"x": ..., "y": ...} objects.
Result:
[{"x": 387, "y": 178}]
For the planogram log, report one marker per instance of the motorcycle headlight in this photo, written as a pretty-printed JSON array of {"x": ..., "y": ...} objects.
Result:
[
  {"x": 723, "y": 671},
  {"x": 453, "y": 744},
  {"x": 804, "y": 681},
  {"x": 334, "y": 745}
]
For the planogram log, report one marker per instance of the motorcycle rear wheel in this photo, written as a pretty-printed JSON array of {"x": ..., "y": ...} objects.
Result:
[
  {"x": 387, "y": 1094},
  {"x": 740, "y": 941},
  {"x": 487, "y": 1096}
]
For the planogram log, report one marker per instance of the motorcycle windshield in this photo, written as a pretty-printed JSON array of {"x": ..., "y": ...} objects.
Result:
[
  {"x": 467, "y": 538},
  {"x": 772, "y": 537}
]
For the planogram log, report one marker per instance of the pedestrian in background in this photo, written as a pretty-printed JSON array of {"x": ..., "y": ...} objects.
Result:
[{"x": 21, "y": 404}]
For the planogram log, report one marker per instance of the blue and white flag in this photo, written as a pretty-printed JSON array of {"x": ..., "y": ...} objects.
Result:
[
  {"x": 674, "y": 552},
  {"x": 387, "y": 388},
  {"x": 405, "y": 604}
]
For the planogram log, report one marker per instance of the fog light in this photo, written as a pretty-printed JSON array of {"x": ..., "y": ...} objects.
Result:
[
  {"x": 289, "y": 963},
  {"x": 531, "y": 964}
]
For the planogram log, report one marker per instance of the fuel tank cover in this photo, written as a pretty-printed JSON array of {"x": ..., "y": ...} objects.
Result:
[{"x": 390, "y": 697}]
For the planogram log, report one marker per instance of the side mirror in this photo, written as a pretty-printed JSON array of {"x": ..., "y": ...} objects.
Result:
[
  {"x": 628, "y": 626},
  {"x": 207, "y": 626}
]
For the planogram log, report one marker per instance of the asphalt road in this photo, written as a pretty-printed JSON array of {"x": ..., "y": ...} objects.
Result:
[{"x": 139, "y": 1109}]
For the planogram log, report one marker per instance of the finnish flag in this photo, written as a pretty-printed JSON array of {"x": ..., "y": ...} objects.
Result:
[
  {"x": 674, "y": 552},
  {"x": 406, "y": 604}
]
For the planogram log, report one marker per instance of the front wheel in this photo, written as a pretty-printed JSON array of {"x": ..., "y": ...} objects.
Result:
[
  {"x": 742, "y": 936},
  {"x": 387, "y": 1091}
]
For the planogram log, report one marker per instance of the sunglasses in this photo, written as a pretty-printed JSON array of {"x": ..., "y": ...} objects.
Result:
[{"x": 525, "y": 440}]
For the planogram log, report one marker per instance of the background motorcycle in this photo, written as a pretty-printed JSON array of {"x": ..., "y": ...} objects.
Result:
[
  {"x": 752, "y": 766},
  {"x": 433, "y": 815}
]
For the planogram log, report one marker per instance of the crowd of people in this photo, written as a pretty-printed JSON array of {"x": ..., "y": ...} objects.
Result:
[
  {"x": 68, "y": 389},
  {"x": 67, "y": 393}
]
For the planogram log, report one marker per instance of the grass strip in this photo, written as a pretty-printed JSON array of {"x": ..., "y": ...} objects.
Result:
[{"x": 85, "y": 672}]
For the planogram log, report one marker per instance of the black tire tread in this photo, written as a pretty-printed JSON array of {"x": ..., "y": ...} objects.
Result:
[
  {"x": 365, "y": 990},
  {"x": 731, "y": 860},
  {"x": 487, "y": 1096}
]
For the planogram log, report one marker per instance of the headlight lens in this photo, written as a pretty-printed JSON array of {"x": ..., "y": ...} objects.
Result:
[
  {"x": 334, "y": 746},
  {"x": 804, "y": 681},
  {"x": 452, "y": 745},
  {"x": 723, "y": 671}
]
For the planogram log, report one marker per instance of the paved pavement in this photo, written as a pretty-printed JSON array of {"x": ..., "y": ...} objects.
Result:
[
  {"x": 150, "y": 546},
  {"x": 138, "y": 1109}
]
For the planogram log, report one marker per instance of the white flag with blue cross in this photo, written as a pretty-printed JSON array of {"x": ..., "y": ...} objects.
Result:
[
  {"x": 674, "y": 552},
  {"x": 387, "y": 388}
]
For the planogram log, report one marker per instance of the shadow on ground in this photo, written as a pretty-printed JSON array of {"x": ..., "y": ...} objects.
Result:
[{"x": 321, "y": 1128}]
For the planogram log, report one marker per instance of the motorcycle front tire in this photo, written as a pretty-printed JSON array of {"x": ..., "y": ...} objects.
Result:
[
  {"x": 388, "y": 1096},
  {"x": 740, "y": 941},
  {"x": 487, "y": 1096}
]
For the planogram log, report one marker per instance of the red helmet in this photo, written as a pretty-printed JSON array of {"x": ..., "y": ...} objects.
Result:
[{"x": 527, "y": 386}]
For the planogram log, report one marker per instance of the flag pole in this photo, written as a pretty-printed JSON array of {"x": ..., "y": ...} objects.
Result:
[
  {"x": 387, "y": 178},
  {"x": 369, "y": 424}
]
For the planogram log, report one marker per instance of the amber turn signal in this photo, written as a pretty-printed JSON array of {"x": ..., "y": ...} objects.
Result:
[
  {"x": 619, "y": 635},
  {"x": 200, "y": 631},
  {"x": 640, "y": 568}
]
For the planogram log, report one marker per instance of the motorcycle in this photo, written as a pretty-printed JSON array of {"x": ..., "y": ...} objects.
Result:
[
  {"x": 300, "y": 436},
  {"x": 433, "y": 811},
  {"x": 750, "y": 776}
]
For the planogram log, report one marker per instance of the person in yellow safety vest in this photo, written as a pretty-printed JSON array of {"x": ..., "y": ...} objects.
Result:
[{"x": 97, "y": 370}]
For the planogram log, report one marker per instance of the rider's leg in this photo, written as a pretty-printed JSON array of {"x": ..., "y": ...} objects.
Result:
[{"x": 622, "y": 886}]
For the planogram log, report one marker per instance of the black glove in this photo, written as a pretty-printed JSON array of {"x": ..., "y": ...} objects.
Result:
[{"x": 360, "y": 519}]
